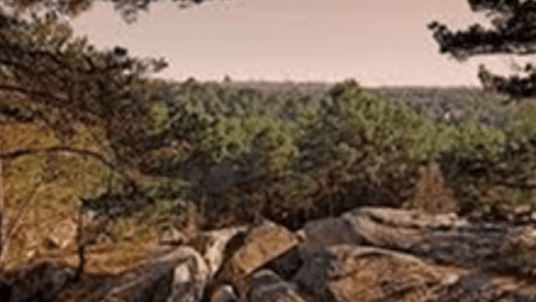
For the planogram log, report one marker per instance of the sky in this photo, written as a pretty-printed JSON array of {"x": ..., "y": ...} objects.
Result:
[{"x": 377, "y": 43}]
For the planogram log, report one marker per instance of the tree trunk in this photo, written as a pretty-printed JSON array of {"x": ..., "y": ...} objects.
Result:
[
  {"x": 4, "y": 241},
  {"x": 81, "y": 241}
]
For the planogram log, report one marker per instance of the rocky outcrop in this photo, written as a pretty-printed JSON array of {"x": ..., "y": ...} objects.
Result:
[
  {"x": 368, "y": 254},
  {"x": 447, "y": 239}
]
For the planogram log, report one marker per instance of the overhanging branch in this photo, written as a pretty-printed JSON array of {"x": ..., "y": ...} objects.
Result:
[
  {"x": 58, "y": 149},
  {"x": 10, "y": 155},
  {"x": 30, "y": 92},
  {"x": 133, "y": 177}
]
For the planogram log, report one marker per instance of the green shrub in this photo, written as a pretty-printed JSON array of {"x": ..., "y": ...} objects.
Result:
[
  {"x": 361, "y": 141},
  {"x": 494, "y": 170},
  {"x": 232, "y": 136}
]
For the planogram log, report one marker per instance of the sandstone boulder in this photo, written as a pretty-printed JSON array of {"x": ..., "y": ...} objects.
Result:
[
  {"x": 347, "y": 273},
  {"x": 34, "y": 282},
  {"x": 150, "y": 284},
  {"x": 221, "y": 244},
  {"x": 224, "y": 293},
  {"x": 267, "y": 286},
  {"x": 172, "y": 236},
  {"x": 329, "y": 231},
  {"x": 179, "y": 276},
  {"x": 62, "y": 234},
  {"x": 485, "y": 287},
  {"x": 263, "y": 244}
]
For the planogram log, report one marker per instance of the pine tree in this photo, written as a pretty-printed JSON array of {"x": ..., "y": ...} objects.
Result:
[{"x": 513, "y": 32}]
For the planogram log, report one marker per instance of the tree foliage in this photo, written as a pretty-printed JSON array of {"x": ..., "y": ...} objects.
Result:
[
  {"x": 513, "y": 32},
  {"x": 82, "y": 96},
  {"x": 66, "y": 78},
  {"x": 73, "y": 8}
]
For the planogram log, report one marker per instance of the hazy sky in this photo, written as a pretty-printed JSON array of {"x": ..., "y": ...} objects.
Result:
[{"x": 375, "y": 42}]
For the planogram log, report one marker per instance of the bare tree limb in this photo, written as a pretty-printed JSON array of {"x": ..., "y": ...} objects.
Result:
[
  {"x": 34, "y": 93},
  {"x": 57, "y": 149},
  {"x": 16, "y": 223},
  {"x": 3, "y": 214}
]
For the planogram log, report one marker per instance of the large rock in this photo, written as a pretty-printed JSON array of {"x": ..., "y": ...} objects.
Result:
[
  {"x": 220, "y": 245},
  {"x": 328, "y": 231},
  {"x": 224, "y": 293},
  {"x": 267, "y": 286},
  {"x": 150, "y": 284},
  {"x": 485, "y": 287},
  {"x": 34, "y": 282},
  {"x": 447, "y": 239},
  {"x": 179, "y": 276},
  {"x": 348, "y": 273},
  {"x": 313, "y": 275},
  {"x": 172, "y": 236},
  {"x": 263, "y": 244},
  {"x": 62, "y": 234}
]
